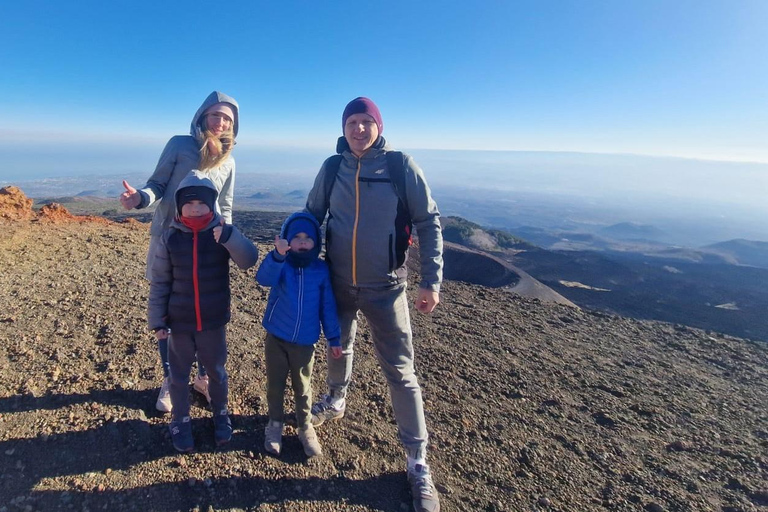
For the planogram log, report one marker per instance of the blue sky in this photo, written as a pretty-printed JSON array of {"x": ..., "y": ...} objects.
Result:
[{"x": 656, "y": 77}]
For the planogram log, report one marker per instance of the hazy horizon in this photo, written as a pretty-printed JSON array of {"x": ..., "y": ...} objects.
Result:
[
  {"x": 699, "y": 201},
  {"x": 590, "y": 175}
]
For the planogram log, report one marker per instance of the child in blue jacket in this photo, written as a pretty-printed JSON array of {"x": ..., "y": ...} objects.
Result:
[{"x": 300, "y": 301}]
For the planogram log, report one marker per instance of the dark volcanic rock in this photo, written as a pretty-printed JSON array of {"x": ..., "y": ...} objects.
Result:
[{"x": 463, "y": 264}]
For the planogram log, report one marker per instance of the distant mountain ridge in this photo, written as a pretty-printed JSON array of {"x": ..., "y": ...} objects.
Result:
[
  {"x": 633, "y": 231},
  {"x": 742, "y": 252},
  {"x": 469, "y": 234},
  {"x": 709, "y": 287}
]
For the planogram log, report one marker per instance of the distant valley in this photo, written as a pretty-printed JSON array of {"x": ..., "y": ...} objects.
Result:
[{"x": 708, "y": 288}]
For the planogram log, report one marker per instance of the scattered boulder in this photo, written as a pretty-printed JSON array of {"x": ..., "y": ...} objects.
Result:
[
  {"x": 55, "y": 213},
  {"x": 678, "y": 446}
]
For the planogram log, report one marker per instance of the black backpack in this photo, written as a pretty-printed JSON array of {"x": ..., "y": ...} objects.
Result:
[{"x": 403, "y": 223}]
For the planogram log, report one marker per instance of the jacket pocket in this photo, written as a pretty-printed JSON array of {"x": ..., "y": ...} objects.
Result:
[{"x": 274, "y": 306}]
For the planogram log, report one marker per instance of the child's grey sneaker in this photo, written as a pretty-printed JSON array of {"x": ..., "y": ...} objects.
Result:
[
  {"x": 273, "y": 437},
  {"x": 425, "y": 498},
  {"x": 181, "y": 434},
  {"x": 324, "y": 410},
  {"x": 308, "y": 438},
  {"x": 163, "y": 403},
  {"x": 222, "y": 428}
]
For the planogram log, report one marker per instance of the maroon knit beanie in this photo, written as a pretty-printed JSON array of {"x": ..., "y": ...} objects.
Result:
[{"x": 362, "y": 105}]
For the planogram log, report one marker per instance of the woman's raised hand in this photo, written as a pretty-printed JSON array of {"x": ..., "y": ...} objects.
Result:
[{"x": 131, "y": 198}]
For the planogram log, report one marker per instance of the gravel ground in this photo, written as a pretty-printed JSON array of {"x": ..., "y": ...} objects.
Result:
[{"x": 530, "y": 406}]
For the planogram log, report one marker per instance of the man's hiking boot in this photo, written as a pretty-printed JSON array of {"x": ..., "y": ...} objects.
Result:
[
  {"x": 324, "y": 410},
  {"x": 222, "y": 428},
  {"x": 308, "y": 438},
  {"x": 201, "y": 386},
  {"x": 163, "y": 403},
  {"x": 273, "y": 437},
  {"x": 425, "y": 498},
  {"x": 181, "y": 435}
]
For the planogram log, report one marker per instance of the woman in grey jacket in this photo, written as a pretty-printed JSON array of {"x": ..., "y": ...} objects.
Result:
[{"x": 208, "y": 147}]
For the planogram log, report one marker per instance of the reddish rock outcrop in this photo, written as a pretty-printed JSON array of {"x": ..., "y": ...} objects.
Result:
[
  {"x": 55, "y": 214},
  {"x": 14, "y": 204}
]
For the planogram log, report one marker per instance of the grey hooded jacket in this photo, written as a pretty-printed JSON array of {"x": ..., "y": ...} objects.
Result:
[
  {"x": 181, "y": 155},
  {"x": 361, "y": 209}
]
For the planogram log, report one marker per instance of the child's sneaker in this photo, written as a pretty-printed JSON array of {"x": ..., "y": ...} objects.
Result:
[
  {"x": 222, "y": 428},
  {"x": 201, "y": 386},
  {"x": 163, "y": 403},
  {"x": 273, "y": 437},
  {"x": 181, "y": 434},
  {"x": 325, "y": 410},
  {"x": 309, "y": 441}
]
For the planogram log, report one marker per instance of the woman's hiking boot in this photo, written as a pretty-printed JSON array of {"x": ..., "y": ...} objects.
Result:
[
  {"x": 201, "y": 386},
  {"x": 163, "y": 403}
]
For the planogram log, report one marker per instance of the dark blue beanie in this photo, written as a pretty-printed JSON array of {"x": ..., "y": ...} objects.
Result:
[
  {"x": 205, "y": 194},
  {"x": 301, "y": 225},
  {"x": 362, "y": 105}
]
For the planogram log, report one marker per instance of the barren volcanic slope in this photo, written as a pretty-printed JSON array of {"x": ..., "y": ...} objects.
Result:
[{"x": 531, "y": 407}]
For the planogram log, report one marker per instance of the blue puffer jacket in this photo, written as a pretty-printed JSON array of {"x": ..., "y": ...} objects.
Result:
[{"x": 301, "y": 298}]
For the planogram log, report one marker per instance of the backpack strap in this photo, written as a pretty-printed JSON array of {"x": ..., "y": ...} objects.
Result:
[
  {"x": 403, "y": 221},
  {"x": 332, "y": 164},
  {"x": 396, "y": 167}
]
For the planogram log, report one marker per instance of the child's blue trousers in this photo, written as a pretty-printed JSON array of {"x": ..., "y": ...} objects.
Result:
[{"x": 211, "y": 349}]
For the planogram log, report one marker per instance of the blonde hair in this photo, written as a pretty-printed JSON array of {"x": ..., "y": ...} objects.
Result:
[{"x": 223, "y": 143}]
